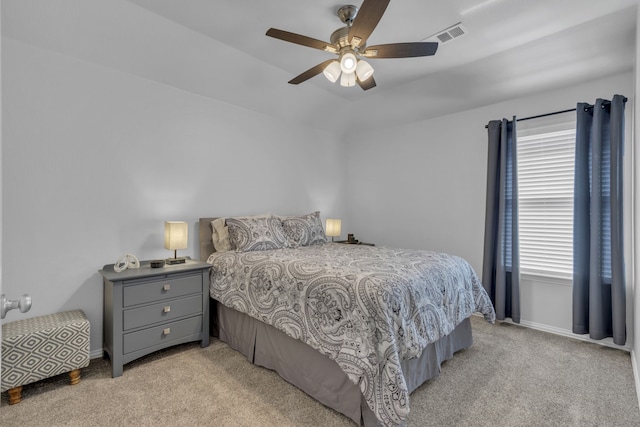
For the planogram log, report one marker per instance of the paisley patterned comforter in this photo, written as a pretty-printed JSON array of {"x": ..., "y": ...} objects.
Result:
[{"x": 365, "y": 307}]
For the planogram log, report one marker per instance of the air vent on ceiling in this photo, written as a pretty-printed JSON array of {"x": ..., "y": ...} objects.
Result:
[{"x": 453, "y": 32}]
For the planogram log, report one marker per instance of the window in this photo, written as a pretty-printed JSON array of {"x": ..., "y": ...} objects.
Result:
[{"x": 545, "y": 195}]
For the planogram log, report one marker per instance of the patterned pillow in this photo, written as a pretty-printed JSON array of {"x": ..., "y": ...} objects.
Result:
[
  {"x": 256, "y": 233},
  {"x": 304, "y": 230}
]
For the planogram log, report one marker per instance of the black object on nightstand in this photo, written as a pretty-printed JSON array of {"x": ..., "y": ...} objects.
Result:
[
  {"x": 353, "y": 241},
  {"x": 147, "y": 309}
]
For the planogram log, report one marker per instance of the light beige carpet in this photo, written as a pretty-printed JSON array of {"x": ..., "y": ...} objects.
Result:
[{"x": 511, "y": 376}]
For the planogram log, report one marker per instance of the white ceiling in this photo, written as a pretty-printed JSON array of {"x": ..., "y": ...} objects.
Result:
[
  {"x": 495, "y": 27},
  {"x": 513, "y": 48}
]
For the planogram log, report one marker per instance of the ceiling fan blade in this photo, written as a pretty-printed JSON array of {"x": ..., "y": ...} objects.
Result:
[
  {"x": 401, "y": 50},
  {"x": 367, "y": 84},
  {"x": 311, "y": 72},
  {"x": 298, "y": 39},
  {"x": 366, "y": 20}
]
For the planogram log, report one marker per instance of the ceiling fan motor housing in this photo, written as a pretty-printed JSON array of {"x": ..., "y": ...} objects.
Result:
[{"x": 339, "y": 37}]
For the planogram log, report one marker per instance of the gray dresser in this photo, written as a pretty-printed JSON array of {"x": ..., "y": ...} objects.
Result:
[{"x": 147, "y": 309}]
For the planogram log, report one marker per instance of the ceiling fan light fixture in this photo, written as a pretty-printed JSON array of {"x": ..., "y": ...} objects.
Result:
[
  {"x": 349, "y": 43},
  {"x": 348, "y": 79},
  {"x": 348, "y": 62},
  {"x": 364, "y": 70},
  {"x": 332, "y": 71}
]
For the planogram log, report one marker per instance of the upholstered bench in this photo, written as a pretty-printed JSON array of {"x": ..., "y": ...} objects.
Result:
[{"x": 42, "y": 347}]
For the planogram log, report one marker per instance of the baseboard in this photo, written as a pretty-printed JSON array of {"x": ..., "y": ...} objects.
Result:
[
  {"x": 607, "y": 342},
  {"x": 636, "y": 376},
  {"x": 96, "y": 354}
]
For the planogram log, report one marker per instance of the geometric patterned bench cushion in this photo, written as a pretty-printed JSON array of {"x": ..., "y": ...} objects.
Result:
[{"x": 41, "y": 347}]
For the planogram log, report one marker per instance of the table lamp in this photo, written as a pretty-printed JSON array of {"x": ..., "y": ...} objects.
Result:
[
  {"x": 333, "y": 228},
  {"x": 175, "y": 237}
]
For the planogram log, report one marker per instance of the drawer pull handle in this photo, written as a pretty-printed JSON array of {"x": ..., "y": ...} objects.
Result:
[
  {"x": 166, "y": 331},
  {"x": 166, "y": 309},
  {"x": 166, "y": 287}
]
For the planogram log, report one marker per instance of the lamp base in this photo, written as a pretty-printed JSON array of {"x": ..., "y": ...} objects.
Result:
[{"x": 173, "y": 261}]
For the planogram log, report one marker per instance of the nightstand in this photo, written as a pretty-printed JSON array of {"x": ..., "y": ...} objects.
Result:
[{"x": 147, "y": 309}]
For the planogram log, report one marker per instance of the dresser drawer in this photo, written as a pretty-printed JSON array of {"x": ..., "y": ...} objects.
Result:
[
  {"x": 160, "y": 289},
  {"x": 161, "y": 334},
  {"x": 162, "y": 312}
]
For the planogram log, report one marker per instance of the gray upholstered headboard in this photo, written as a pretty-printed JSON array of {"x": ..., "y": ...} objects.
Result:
[{"x": 204, "y": 234}]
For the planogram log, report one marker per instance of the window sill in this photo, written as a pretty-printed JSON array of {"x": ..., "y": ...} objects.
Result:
[{"x": 546, "y": 279}]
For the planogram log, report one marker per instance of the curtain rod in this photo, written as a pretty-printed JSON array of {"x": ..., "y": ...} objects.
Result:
[
  {"x": 545, "y": 115},
  {"x": 540, "y": 116}
]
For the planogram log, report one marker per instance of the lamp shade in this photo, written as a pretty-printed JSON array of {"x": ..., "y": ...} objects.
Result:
[
  {"x": 348, "y": 79},
  {"x": 332, "y": 71},
  {"x": 333, "y": 228},
  {"x": 364, "y": 70},
  {"x": 175, "y": 235}
]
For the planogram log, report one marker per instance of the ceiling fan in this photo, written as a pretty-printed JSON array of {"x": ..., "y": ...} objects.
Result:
[{"x": 349, "y": 43}]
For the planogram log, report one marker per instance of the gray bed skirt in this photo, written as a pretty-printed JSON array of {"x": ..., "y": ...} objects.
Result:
[{"x": 315, "y": 373}]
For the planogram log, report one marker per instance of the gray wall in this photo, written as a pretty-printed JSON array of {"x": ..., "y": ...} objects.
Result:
[
  {"x": 635, "y": 353},
  {"x": 95, "y": 159},
  {"x": 1, "y": 185},
  {"x": 427, "y": 189}
]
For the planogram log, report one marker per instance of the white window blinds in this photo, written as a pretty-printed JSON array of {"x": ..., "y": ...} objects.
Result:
[{"x": 545, "y": 195}]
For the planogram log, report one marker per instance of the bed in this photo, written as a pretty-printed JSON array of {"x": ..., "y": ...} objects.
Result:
[{"x": 347, "y": 324}]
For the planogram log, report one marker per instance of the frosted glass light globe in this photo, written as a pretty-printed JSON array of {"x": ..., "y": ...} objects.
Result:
[
  {"x": 364, "y": 70},
  {"x": 332, "y": 71},
  {"x": 348, "y": 63}
]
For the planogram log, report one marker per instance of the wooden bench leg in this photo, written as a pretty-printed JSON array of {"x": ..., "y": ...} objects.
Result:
[
  {"x": 74, "y": 376},
  {"x": 15, "y": 395}
]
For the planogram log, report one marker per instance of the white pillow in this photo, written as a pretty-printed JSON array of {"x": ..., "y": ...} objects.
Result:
[{"x": 220, "y": 235}]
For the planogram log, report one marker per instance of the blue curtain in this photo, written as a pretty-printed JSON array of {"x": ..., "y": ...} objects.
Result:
[
  {"x": 501, "y": 268},
  {"x": 599, "y": 303}
]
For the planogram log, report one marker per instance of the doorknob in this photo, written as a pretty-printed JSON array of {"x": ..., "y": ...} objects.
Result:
[{"x": 24, "y": 304}]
